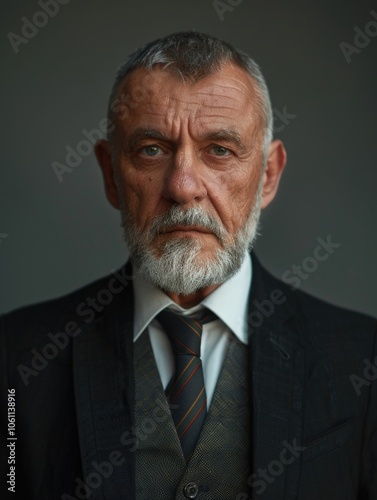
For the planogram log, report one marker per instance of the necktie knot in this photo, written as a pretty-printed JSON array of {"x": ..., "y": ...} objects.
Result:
[{"x": 185, "y": 333}]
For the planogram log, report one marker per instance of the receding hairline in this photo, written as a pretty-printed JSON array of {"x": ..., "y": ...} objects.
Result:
[
  {"x": 126, "y": 87},
  {"x": 180, "y": 55}
]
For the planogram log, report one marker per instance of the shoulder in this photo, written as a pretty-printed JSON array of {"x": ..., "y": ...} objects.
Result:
[
  {"x": 311, "y": 313},
  {"x": 23, "y": 328},
  {"x": 339, "y": 346}
]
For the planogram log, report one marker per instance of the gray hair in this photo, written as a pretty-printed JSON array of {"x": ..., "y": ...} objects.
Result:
[{"x": 192, "y": 56}]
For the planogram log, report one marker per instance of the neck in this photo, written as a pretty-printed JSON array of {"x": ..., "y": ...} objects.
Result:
[{"x": 187, "y": 301}]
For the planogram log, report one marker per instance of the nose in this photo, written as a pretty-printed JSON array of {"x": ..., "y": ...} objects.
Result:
[{"x": 184, "y": 181}]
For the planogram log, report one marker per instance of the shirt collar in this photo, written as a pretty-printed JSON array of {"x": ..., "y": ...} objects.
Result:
[{"x": 229, "y": 302}]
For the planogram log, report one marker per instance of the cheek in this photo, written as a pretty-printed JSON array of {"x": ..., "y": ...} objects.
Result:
[
  {"x": 235, "y": 194},
  {"x": 142, "y": 195}
]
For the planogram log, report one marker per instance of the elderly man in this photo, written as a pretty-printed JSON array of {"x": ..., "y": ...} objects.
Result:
[{"x": 191, "y": 372}]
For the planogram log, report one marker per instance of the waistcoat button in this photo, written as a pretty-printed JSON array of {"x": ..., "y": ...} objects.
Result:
[{"x": 191, "y": 490}]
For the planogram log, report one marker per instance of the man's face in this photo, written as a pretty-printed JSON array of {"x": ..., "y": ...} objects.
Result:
[{"x": 194, "y": 149}]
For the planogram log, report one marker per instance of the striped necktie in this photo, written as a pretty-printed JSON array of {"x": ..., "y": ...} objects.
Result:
[{"x": 186, "y": 392}]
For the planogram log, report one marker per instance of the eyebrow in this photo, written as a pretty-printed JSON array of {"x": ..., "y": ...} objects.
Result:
[
  {"x": 220, "y": 135},
  {"x": 140, "y": 134},
  {"x": 224, "y": 135}
]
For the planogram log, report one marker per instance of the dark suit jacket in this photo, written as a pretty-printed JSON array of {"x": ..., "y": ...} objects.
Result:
[{"x": 314, "y": 399}]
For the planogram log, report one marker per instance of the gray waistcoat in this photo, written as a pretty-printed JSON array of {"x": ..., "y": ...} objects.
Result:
[{"x": 219, "y": 466}]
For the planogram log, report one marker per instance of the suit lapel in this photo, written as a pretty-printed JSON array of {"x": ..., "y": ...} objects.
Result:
[
  {"x": 277, "y": 367},
  {"x": 105, "y": 400},
  {"x": 104, "y": 391}
]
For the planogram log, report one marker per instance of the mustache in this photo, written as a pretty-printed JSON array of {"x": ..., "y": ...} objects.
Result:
[{"x": 194, "y": 216}]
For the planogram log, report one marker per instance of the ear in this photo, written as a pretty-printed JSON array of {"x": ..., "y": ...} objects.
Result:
[
  {"x": 103, "y": 156},
  {"x": 276, "y": 160}
]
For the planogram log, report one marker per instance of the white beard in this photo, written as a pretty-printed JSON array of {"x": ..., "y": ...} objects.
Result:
[{"x": 180, "y": 269}]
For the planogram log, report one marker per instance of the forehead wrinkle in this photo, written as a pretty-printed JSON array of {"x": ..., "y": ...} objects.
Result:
[
  {"x": 216, "y": 101},
  {"x": 245, "y": 86},
  {"x": 238, "y": 86},
  {"x": 215, "y": 106},
  {"x": 221, "y": 106},
  {"x": 219, "y": 118},
  {"x": 216, "y": 94}
]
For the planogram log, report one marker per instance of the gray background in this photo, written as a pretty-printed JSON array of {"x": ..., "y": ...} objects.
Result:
[{"x": 61, "y": 235}]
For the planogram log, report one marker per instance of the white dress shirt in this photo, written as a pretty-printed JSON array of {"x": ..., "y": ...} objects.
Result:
[{"x": 230, "y": 304}]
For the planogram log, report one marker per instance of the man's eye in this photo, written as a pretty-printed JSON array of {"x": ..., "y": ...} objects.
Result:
[
  {"x": 151, "y": 151},
  {"x": 220, "y": 151}
]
